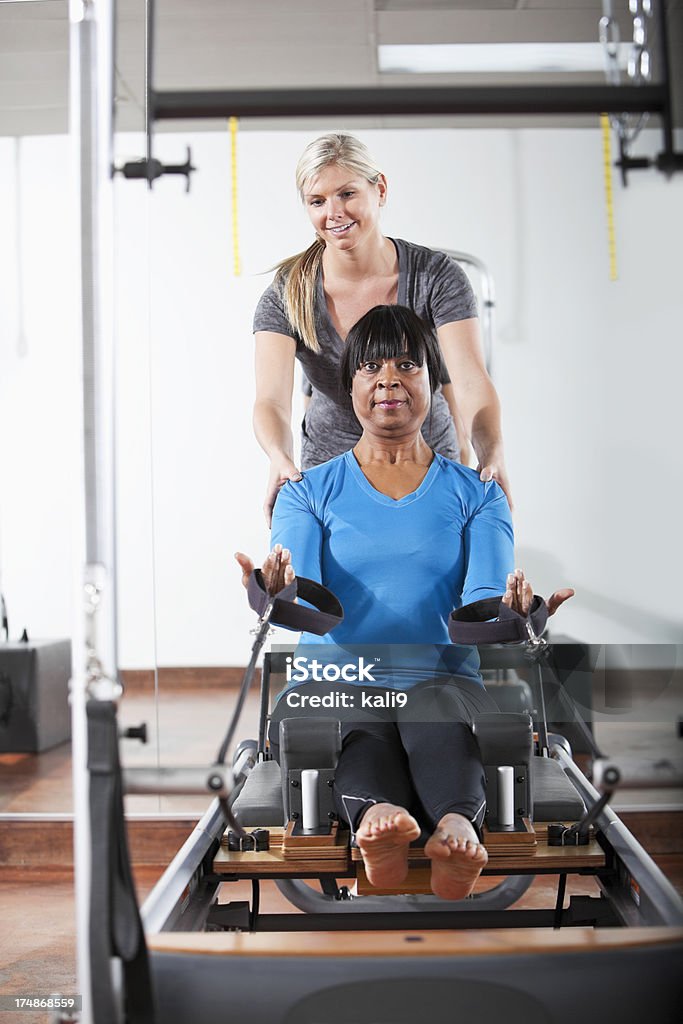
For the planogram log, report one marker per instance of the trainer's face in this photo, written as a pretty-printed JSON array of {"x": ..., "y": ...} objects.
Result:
[{"x": 344, "y": 207}]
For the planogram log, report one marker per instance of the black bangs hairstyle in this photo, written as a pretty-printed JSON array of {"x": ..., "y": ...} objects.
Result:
[{"x": 386, "y": 332}]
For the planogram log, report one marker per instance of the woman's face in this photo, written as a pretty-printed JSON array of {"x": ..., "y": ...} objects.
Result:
[
  {"x": 391, "y": 397},
  {"x": 343, "y": 206}
]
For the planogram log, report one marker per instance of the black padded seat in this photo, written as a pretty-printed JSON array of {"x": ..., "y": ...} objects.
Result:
[
  {"x": 554, "y": 796},
  {"x": 511, "y": 694},
  {"x": 260, "y": 801}
]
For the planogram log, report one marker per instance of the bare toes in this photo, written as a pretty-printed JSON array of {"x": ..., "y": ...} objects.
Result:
[
  {"x": 383, "y": 838},
  {"x": 457, "y": 861}
]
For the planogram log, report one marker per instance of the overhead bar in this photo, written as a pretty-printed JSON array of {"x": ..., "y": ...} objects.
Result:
[{"x": 194, "y": 104}]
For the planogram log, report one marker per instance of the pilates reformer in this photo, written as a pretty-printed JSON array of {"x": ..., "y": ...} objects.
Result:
[{"x": 360, "y": 955}]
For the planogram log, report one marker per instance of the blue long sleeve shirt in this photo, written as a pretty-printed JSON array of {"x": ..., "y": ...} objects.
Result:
[{"x": 399, "y": 567}]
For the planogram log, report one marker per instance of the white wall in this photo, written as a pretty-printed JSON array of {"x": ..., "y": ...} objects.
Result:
[
  {"x": 588, "y": 371},
  {"x": 38, "y": 384}
]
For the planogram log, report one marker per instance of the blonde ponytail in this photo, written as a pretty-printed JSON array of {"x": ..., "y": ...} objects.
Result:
[{"x": 300, "y": 275}]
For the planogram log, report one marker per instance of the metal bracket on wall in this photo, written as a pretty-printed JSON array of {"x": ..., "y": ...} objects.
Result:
[
  {"x": 668, "y": 162},
  {"x": 149, "y": 169}
]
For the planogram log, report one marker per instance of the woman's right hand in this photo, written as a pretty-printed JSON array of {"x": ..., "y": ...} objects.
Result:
[
  {"x": 277, "y": 568},
  {"x": 281, "y": 470}
]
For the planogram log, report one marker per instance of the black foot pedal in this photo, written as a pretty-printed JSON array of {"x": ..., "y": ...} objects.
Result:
[{"x": 252, "y": 842}]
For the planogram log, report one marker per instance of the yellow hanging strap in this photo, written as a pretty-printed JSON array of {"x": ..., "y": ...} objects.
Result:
[
  {"x": 609, "y": 202},
  {"x": 236, "y": 265}
]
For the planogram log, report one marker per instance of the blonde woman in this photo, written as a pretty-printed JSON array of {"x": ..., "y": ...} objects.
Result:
[{"x": 319, "y": 294}]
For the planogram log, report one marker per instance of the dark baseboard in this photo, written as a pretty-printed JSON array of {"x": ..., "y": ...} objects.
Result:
[{"x": 137, "y": 680}]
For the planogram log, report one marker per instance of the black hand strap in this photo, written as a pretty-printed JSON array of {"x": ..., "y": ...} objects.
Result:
[
  {"x": 327, "y": 613},
  {"x": 472, "y": 624}
]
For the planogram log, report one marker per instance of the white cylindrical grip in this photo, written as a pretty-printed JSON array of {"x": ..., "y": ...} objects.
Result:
[
  {"x": 310, "y": 815},
  {"x": 506, "y": 795}
]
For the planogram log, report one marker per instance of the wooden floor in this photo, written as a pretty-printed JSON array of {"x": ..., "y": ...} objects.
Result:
[{"x": 37, "y": 944}]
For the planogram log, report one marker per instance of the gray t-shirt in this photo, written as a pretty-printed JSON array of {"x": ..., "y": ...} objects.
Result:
[{"x": 431, "y": 284}]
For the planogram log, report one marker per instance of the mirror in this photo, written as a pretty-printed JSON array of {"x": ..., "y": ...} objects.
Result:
[
  {"x": 585, "y": 367},
  {"x": 567, "y": 364}
]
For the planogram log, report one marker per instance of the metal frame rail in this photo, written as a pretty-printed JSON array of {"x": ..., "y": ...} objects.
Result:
[
  {"x": 582, "y": 912},
  {"x": 185, "y": 890},
  {"x": 487, "y": 298},
  {"x": 197, "y": 104},
  {"x": 637, "y": 889}
]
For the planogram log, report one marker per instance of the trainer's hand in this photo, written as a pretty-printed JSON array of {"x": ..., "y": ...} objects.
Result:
[
  {"x": 519, "y": 594},
  {"x": 277, "y": 569},
  {"x": 492, "y": 467},
  {"x": 281, "y": 471}
]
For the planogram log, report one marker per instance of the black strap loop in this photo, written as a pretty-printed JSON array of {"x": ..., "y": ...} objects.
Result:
[
  {"x": 472, "y": 624},
  {"x": 115, "y": 926},
  {"x": 327, "y": 613}
]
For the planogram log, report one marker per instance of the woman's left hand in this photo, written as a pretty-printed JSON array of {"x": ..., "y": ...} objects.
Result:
[
  {"x": 277, "y": 569},
  {"x": 519, "y": 594}
]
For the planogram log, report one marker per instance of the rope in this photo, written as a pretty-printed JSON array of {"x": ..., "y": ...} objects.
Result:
[
  {"x": 236, "y": 263},
  {"x": 609, "y": 201}
]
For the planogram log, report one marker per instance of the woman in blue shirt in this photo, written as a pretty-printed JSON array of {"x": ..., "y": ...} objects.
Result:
[{"x": 402, "y": 536}]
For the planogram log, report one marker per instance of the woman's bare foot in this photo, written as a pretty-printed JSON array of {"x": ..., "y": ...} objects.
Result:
[
  {"x": 457, "y": 857},
  {"x": 383, "y": 836}
]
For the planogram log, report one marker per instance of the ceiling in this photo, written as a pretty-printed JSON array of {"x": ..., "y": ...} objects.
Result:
[{"x": 223, "y": 44}]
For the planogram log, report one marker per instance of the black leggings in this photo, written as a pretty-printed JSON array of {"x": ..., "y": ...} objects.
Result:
[{"x": 423, "y": 757}]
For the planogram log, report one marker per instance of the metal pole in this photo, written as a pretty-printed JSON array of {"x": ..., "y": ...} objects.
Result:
[
  {"x": 94, "y": 626},
  {"x": 388, "y": 100},
  {"x": 488, "y": 301}
]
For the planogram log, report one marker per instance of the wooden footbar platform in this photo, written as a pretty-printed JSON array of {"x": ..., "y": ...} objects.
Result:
[
  {"x": 316, "y": 855},
  {"x": 418, "y": 944}
]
